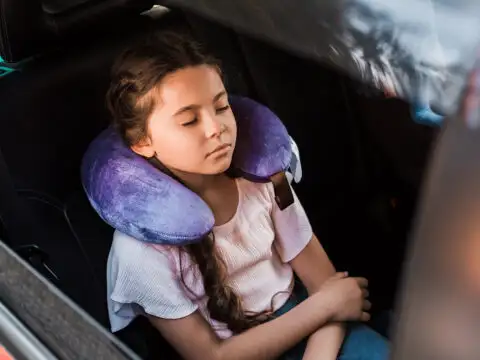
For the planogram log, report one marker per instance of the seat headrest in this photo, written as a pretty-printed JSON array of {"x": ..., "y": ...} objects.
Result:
[{"x": 136, "y": 198}]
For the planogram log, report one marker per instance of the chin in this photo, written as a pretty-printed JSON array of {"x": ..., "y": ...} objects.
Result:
[{"x": 220, "y": 166}]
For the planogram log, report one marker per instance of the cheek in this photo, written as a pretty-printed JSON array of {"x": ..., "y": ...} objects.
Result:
[
  {"x": 174, "y": 148},
  {"x": 232, "y": 126}
]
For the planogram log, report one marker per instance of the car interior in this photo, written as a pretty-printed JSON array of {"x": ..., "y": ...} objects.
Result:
[{"x": 363, "y": 156}]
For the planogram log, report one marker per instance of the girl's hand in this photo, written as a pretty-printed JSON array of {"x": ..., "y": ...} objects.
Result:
[{"x": 347, "y": 297}]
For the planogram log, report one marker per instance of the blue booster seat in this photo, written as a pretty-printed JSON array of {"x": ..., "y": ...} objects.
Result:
[{"x": 136, "y": 198}]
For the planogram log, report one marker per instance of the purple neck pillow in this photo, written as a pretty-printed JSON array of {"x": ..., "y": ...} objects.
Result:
[{"x": 139, "y": 200}]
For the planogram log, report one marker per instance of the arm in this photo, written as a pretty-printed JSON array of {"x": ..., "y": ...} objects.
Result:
[
  {"x": 194, "y": 338},
  {"x": 313, "y": 267}
]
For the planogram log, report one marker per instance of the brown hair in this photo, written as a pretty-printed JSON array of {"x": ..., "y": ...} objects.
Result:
[{"x": 137, "y": 71}]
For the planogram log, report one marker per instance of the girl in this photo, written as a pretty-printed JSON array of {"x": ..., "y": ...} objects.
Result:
[{"x": 232, "y": 295}]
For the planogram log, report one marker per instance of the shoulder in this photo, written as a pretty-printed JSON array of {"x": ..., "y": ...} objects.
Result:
[
  {"x": 123, "y": 244},
  {"x": 136, "y": 269},
  {"x": 141, "y": 279},
  {"x": 256, "y": 190},
  {"x": 132, "y": 253}
]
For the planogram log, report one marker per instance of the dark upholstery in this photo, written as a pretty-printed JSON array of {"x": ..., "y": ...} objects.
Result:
[
  {"x": 22, "y": 30},
  {"x": 28, "y": 27},
  {"x": 50, "y": 112}
]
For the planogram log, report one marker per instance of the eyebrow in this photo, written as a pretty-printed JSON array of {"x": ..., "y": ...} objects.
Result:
[{"x": 192, "y": 107}]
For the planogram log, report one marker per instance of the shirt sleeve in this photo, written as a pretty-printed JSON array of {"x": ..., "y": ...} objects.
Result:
[
  {"x": 293, "y": 230},
  {"x": 142, "y": 280}
]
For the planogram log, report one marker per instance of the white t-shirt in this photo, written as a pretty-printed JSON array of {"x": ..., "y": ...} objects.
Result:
[{"x": 256, "y": 245}]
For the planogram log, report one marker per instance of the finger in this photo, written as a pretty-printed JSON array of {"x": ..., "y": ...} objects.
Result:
[
  {"x": 362, "y": 282},
  {"x": 367, "y": 305},
  {"x": 365, "y": 316},
  {"x": 341, "y": 274},
  {"x": 365, "y": 293}
]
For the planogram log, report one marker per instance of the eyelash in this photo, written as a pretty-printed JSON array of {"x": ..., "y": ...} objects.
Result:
[
  {"x": 222, "y": 109},
  {"x": 190, "y": 122},
  {"x": 218, "y": 111}
]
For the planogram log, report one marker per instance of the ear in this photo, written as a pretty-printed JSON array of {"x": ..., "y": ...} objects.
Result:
[{"x": 144, "y": 148}]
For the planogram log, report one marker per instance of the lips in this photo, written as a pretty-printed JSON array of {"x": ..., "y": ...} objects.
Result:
[{"x": 218, "y": 149}]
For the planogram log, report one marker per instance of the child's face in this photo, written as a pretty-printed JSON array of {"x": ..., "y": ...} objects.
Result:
[{"x": 192, "y": 128}]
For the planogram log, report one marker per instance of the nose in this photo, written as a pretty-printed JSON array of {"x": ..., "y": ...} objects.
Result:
[{"x": 213, "y": 126}]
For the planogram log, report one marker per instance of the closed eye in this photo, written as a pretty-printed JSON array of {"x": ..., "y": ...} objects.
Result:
[
  {"x": 192, "y": 122},
  {"x": 222, "y": 109}
]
